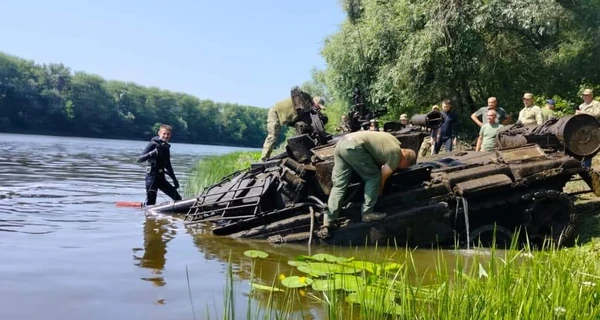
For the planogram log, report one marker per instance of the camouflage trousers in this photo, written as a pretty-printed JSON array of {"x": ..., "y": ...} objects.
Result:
[
  {"x": 351, "y": 155},
  {"x": 425, "y": 148},
  {"x": 273, "y": 130}
]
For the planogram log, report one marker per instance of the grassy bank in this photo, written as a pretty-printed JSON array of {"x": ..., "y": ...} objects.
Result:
[{"x": 212, "y": 169}]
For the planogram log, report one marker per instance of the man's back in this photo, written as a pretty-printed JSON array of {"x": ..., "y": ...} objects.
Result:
[
  {"x": 286, "y": 112},
  {"x": 382, "y": 146}
]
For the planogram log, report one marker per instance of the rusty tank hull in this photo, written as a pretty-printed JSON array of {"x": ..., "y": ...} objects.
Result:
[{"x": 460, "y": 196}]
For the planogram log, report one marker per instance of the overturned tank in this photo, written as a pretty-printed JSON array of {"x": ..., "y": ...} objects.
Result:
[{"x": 463, "y": 196}]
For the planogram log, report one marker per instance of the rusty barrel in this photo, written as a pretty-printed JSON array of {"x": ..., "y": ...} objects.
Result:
[
  {"x": 431, "y": 120},
  {"x": 579, "y": 134}
]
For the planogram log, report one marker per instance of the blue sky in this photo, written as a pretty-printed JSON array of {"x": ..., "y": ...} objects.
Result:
[{"x": 235, "y": 51}]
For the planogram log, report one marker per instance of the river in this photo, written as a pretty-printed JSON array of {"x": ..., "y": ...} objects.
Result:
[{"x": 69, "y": 253}]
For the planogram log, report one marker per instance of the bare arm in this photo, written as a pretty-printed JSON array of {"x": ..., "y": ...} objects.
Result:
[
  {"x": 476, "y": 119},
  {"x": 386, "y": 172}
]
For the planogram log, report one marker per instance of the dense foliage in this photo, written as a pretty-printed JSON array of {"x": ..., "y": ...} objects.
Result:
[
  {"x": 409, "y": 55},
  {"x": 51, "y": 99}
]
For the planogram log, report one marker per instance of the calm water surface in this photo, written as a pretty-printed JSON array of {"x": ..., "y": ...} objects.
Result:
[{"x": 67, "y": 252}]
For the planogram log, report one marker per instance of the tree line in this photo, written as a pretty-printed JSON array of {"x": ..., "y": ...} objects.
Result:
[
  {"x": 52, "y": 99},
  {"x": 408, "y": 55}
]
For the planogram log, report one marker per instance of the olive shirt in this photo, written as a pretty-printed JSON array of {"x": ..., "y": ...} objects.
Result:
[
  {"x": 593, "y": 108},
  {"x": 482, "y": 112},
  {"x": 531, "y": 115},
  {"x": 488, "y": 132},
  {"x": 286, "y": 112},
  {"x": 383, "y": 147},
  {"x": 547, "y": 114}
]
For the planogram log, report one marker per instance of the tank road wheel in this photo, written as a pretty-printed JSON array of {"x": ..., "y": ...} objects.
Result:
[
  {"x": 549, "y": 214},
  {"x": 487, "y": 233}
]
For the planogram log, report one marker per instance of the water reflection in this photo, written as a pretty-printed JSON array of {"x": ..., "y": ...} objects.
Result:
[{"x": 157, "y": 234}]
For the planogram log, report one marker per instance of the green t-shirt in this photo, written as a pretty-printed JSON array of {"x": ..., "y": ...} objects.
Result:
[
  {"x": 286, "y": 112},
  {"x": 489, "y": 133},
  {"x": 382, "y": 146},
  {"x": 547, "y": 114}
]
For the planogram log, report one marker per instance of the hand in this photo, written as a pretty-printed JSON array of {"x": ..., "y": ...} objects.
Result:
[
  {"x": 153, "y": 153},
  {"x": 176, "y": 183}
]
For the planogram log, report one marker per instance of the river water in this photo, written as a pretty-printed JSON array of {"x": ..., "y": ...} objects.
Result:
[{"x": 67, "y": 252}]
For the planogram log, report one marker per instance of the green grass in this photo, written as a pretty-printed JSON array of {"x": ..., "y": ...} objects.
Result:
[
  {"x": 477, "y": 284},
  {"x": 212, "y": 169}
]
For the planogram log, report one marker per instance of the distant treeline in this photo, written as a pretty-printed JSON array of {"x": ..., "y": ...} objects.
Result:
[{"x": 51, "y": 99}]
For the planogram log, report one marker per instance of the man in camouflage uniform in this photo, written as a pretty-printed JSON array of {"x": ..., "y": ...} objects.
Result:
[
  {"x": 548, "y": 111},
  {"x": 530, "y": 114},
  {"x": 589, "y": 105},
  {"x": 427, "y": 143},
  {"x": 374, "y": 155},
  {"x": 283, "y": 113}
]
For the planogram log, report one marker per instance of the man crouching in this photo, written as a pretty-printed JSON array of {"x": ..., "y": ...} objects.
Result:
[{"x": 374, "y": 156}]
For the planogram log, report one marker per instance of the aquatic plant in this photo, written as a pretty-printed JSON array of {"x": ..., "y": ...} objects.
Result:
[{"x": 476, "y": 284}]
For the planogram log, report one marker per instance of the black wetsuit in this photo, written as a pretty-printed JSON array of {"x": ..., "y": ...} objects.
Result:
[{"x": 158, "y": 162}]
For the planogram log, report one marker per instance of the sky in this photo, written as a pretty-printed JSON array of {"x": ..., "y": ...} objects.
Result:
[{"x": 238, "y": 51}]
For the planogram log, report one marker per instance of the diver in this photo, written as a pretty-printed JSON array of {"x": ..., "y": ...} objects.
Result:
[{"x": 157, "y": 155}]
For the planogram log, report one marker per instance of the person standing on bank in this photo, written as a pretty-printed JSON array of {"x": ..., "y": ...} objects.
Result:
[
  {"x": 445, "y": 133},
  {"x": 157, "y": 155},
  {"x": 492, "y": 104},
  {"x": 283, "y": 113},
  {"x": 488, "y": 133},
  {"x": 374, "y": 155},
  {"x": 530, "y": 114}
]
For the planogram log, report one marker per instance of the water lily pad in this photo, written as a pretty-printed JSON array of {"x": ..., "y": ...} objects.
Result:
[
  {"x": 363, "y": 265},
  {"x": 296, "y": 282},
  {"x": 327, "y": 284},
  {"x": 376, "y": 299},
  {"x": 350, "y": 282},
  {"x": 265, "y": 288},
  {"x": 256, "y": 254},
  {"x": 296, "y": 263},
  {"x": 326, "y": 257},
  {"x": 391, "y": 266},
  {"x": 319, "y": 269}
]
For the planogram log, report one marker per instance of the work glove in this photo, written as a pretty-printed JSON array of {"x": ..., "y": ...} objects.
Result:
[{"x": 176, "y": 183}]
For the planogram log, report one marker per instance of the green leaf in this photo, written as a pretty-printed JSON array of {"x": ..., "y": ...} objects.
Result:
[
  {"x": 389, "y": 266},
  {"x": 256, "y": 254},
  {"x": 327, "y": 284},
  {"x": 296, "y": 263},
  {"x": 326, "y": 257},
  {"x": 363, "y": 265},
  {"x": 296, "y": 282},
  {"x": 265, "y": 288},
  {"x": 377, "y": 299},
  {"x": 350, "y": 282},
  {"x": 321, "y": 269}
]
